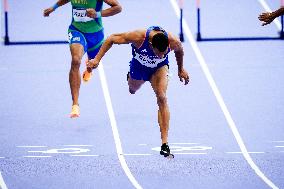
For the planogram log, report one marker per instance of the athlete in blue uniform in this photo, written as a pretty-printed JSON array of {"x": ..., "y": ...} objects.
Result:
[
  {"x": 150, "y": 50},
  {"x": 86, "y": 34}
]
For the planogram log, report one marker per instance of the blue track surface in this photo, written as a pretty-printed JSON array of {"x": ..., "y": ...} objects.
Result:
[{"x": 42, "y": 148}]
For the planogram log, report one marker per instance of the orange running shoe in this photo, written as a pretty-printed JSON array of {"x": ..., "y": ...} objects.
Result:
[
  {"x": 75, "y": 112},
  {"x": 87, "y": 74}
]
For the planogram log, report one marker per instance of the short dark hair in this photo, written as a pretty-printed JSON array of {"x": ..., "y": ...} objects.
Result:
[{"x": 160, "y": 41}]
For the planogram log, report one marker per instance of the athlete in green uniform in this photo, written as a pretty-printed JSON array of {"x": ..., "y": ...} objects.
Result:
[{"x": 86, "y": 34}]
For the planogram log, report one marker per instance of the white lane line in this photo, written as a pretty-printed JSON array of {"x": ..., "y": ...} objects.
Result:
[
  {"x": 37, "y": 156},
  {"x": 248, "y": 152},
  {"x": 114, "y": 128},
  {"x": 84, "y": 155},
  {"x": 182, "y": 143},
  {"x": 220, "y": 100},
  {"x": 268, "y": 9},
  {"x": 191, "y": 153},
  {"x": 36, "y": 151},
  {"x": 137, "y": 154},
  {"x": 77, "y": 145},
  {"x": 31, "y": 146},
  {"x": 278, "y": 141},
  {"x": 2, "y": 157},
  {"x": 279, "y": 146},
  {"x": 2, "y": 183}
]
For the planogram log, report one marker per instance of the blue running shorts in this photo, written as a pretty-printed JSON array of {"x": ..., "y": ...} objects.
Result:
[
  {"x": 141, "y": 72},
  {"x": 90, "y": 41}
]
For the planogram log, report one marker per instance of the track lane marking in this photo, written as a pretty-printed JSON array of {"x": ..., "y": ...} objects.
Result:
[
  {"x": 219, "y": 98},
  {"x": 114, "y": 128},
  {"x": 2, "y": 183}
]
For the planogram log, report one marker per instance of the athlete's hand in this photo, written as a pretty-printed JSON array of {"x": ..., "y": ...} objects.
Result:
[
  {"x": 93, "y": 63},
  {"x": 266, "y": 18},
  {"x": 91, "y": 13},
  {"x": 183, "y": 76},
  {"x": 47, "y": 12}
]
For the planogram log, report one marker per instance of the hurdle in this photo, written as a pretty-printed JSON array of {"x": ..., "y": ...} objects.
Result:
[
  {"x": 7, "y": 40},
  {"x": 199, "y": 37}
]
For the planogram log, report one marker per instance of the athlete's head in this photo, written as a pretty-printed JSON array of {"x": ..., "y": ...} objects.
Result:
[{"x": 160, "y": 41}]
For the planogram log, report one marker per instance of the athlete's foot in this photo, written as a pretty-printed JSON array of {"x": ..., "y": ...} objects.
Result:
[
  {"x": 166, "y": 152},
  {"x": 75, "y": 112},
  {"x": 87, "y": 74}
]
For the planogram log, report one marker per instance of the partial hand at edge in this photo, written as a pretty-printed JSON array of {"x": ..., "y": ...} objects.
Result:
[{"x": 183, "y": 76}]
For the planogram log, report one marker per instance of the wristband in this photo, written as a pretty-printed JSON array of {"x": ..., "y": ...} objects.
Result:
[
  {"x": 98, "y": 14},
  {"x": 55, "y": 6}
]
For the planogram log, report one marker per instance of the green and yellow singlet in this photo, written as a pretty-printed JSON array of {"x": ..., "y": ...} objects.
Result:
[{"x": 81, "y": 21}]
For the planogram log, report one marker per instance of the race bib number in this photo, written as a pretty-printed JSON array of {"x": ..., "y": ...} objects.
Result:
[
  {"x": 80, "y": 15},
  {"x": 148, "y": 61}
]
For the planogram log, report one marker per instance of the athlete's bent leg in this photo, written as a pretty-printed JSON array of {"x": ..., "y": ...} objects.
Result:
[
  {"x": 93, "y": 49},
  {"x": 134, "y": 84}
]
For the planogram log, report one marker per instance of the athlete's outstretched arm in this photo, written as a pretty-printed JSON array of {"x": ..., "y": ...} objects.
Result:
[
  {"x": 176, "y": 45},
  {"x": 119, "y": 38},
  {"x": 59, "y": 3},
  {"x": 268, "y": 17},
  {"x": 114, "y": 9}
]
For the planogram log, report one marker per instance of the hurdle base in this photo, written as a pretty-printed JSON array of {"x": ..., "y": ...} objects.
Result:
[
  {"x": 198, "y": 37},
  {"x": 282, "y": 35},
  {"x": 6, "y": 40}
]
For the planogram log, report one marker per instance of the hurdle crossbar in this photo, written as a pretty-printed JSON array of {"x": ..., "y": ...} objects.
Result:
[
  {"x": 7, "y": 40},
  {"x": 200, "y": 38}
]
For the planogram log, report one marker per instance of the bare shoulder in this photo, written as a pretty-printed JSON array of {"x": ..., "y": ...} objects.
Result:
[
  {"x": 137, "y": 36},
  {"x": 175, "y": 43}
]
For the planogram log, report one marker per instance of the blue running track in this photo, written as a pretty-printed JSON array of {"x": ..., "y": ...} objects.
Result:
[{"x": 226, "y": 127}]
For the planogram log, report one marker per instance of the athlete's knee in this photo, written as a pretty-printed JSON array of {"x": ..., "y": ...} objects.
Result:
[
  {"x": 131, "y": 91},
  {"x": 132, "y": 88},
  {"x": 76, "y": 61},
  {"x": 161, "y": 98}
]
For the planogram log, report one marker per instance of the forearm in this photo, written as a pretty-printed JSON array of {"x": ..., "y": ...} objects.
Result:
[
  {"x": 62, "y": 2},
  {"x": 179, "y": 59},
  {"x": 104, "y": 48},
  {"x": 111, "y": 11},
  {"x": 278, "y": 12}
]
